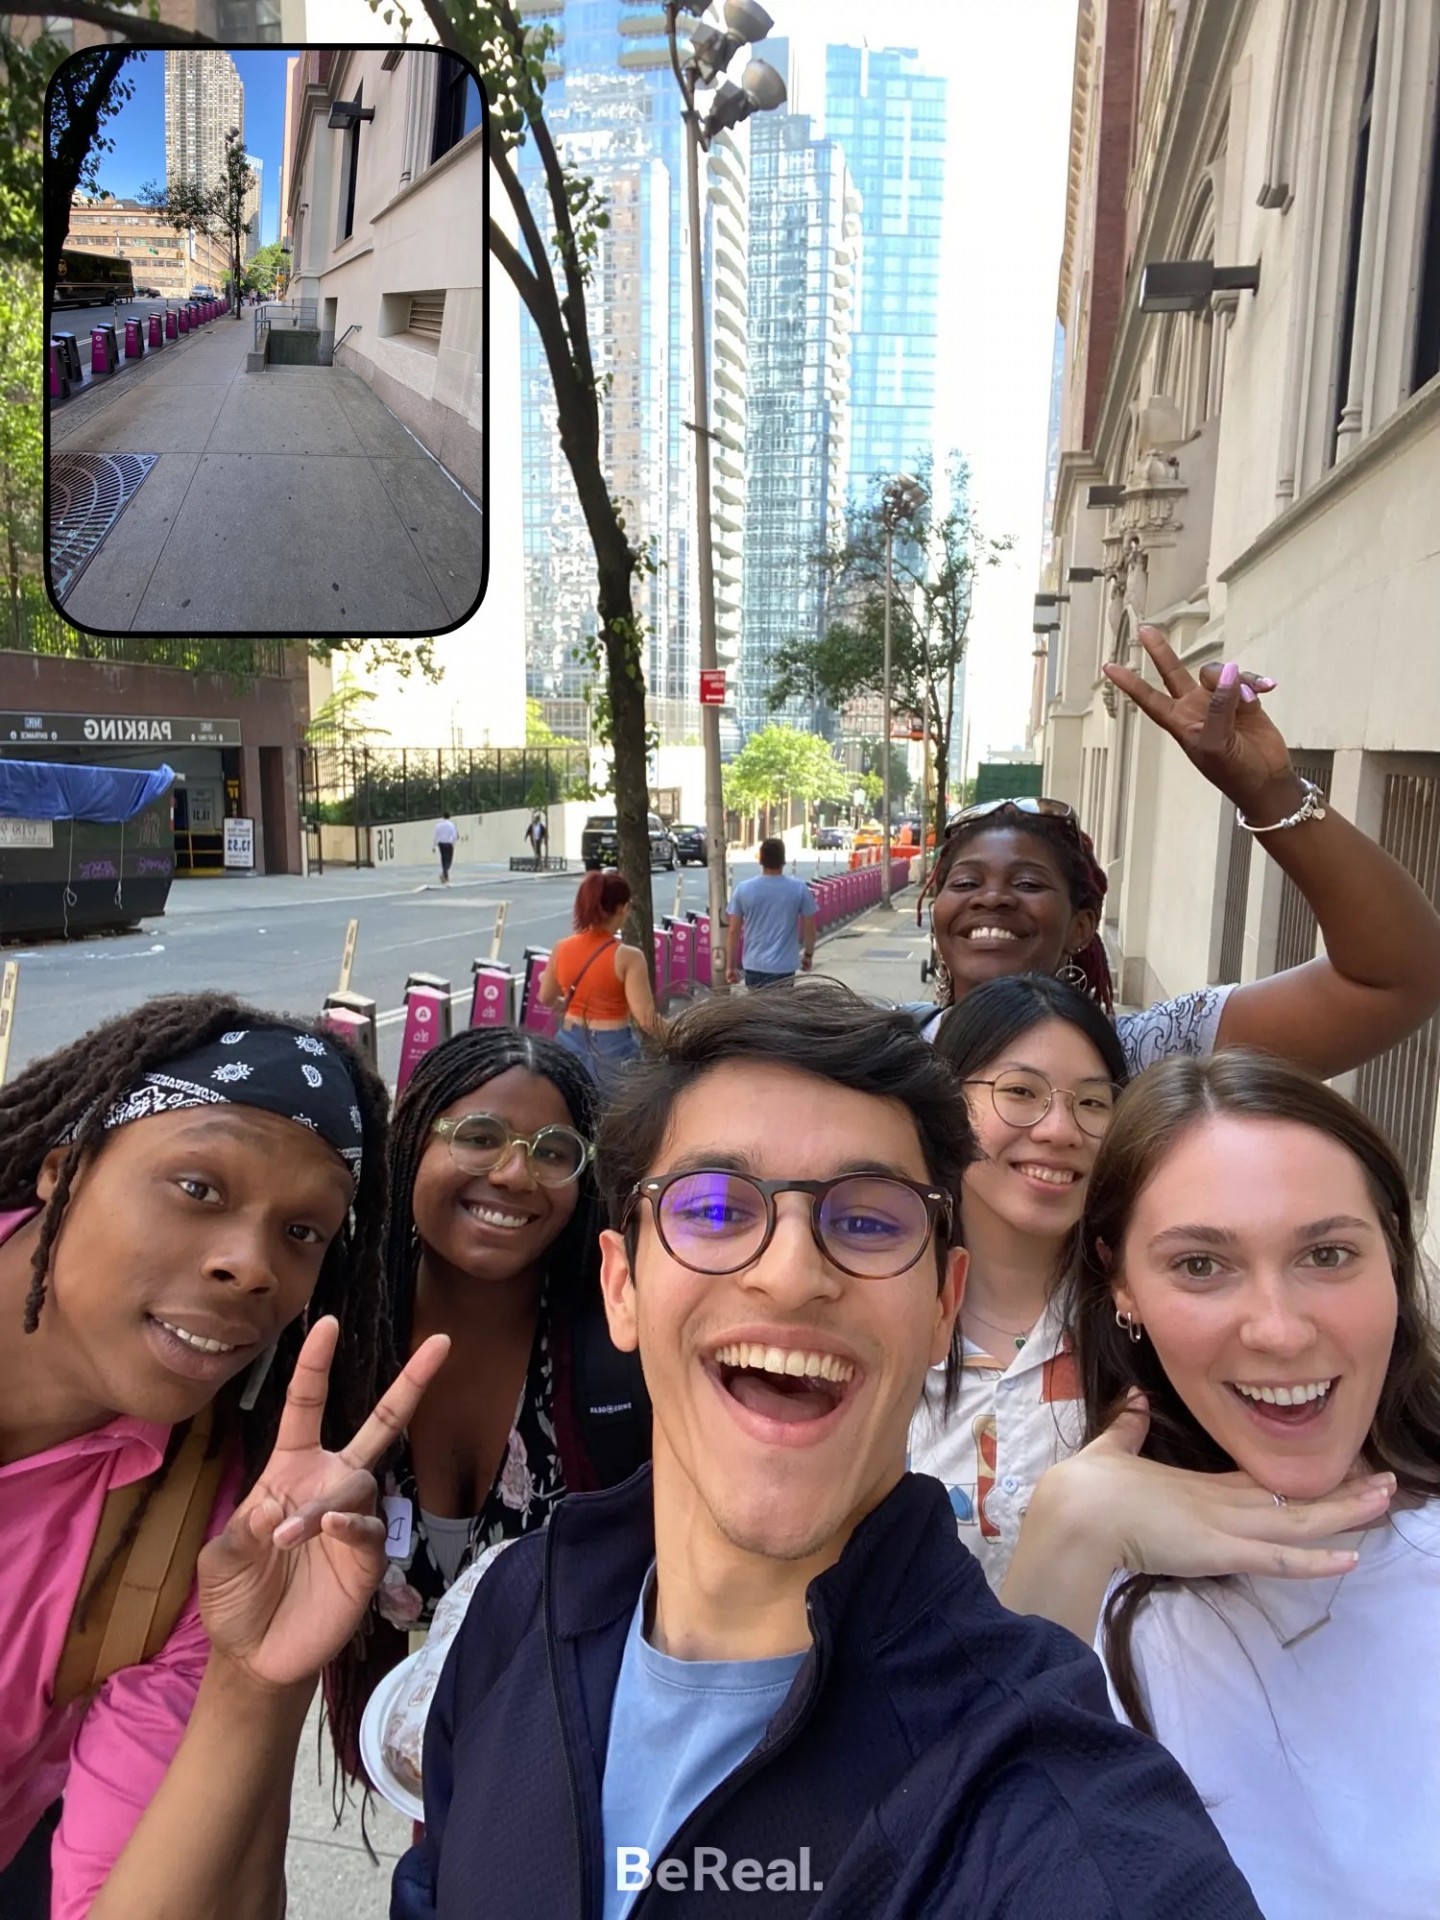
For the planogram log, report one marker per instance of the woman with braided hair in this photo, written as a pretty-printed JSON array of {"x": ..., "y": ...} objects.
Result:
[
  {"x": 493, "y": 1241},
  {"x": 180, "y": 1189},
  {"x": 1017, "y": 889}
]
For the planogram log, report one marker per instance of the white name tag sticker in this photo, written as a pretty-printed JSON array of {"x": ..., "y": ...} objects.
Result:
[{"x": 398, "y": 1524}]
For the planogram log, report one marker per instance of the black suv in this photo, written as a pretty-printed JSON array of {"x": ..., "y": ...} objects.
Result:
[
  {"x": 689, "y": 845},
  {"x": 600, "y": 843}
]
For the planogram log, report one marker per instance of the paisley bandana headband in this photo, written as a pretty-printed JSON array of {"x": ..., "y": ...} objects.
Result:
[{"x": 277, "y": 1069}]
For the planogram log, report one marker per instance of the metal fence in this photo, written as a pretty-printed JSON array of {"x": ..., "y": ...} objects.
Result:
[
  {"x": 284, "y": 313},
  {"x": 380, "y": 786},
  {"x": 1399, "y": 1090},
  {"x": 31, "y": 625}
]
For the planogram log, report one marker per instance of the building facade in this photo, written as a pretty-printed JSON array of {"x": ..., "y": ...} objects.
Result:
[
  {"x": 204, "y": 101},
  {"x": 387, "y": 240},
  {"x": 173, "y": 263},
  {"x": 254, "y": 203},
  {"x": 804, "y": 266},
  {"x": 1274, "y": 461},
  {"x": 889, "y": 117}
]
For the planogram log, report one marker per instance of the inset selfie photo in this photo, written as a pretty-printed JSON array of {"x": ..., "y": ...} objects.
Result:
[{"x": 265, "y": 341}]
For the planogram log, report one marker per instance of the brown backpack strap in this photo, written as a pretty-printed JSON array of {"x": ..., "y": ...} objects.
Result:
[{"x": 133, "y": 1612}]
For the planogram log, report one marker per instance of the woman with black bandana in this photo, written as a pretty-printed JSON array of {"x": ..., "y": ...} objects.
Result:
[
  {"x": 179, "y": 1190},
  {"x": 492, "y": 1241}
]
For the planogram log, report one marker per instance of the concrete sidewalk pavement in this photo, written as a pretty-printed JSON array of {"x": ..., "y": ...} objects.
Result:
[{"x": 284, "y": 501}]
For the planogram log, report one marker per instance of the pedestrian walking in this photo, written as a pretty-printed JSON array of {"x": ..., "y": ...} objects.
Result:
[
  {"x": 180, "y": 1188},
  {"x": 774, "y": 915},
  {"x": 600, "y": 986},
  {"x": 537, "y": 835},
  {"x": 446, "y": 834}
]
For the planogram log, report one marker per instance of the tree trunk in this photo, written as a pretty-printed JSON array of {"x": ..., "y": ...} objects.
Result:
[{"x": 626, "y": 685}]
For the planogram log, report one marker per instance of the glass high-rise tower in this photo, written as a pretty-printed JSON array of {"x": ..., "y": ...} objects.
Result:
[
  {"x": 804, "y": 259},
  {"x": 889, "y": 118}
]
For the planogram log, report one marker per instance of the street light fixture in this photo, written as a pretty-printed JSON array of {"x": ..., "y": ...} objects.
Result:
[
  {"x": 345, "y": 113},
  {"x": 901, "y": 500},
  {"x": 761, "y": 90},
  {"x": 1186, "y": 286}
]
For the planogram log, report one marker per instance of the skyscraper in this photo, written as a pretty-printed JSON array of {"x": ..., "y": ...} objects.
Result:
[
  {"x": 611, "y": 88},
  {"x": 254, "y": 202},
  {"x": 204, "y": 100},
  {"x": 889, "y": 118},
  {"x": 804, "y": 256}
]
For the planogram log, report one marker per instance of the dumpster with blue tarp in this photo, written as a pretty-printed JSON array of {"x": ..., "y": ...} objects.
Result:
[{"x": 83, "y": 848}]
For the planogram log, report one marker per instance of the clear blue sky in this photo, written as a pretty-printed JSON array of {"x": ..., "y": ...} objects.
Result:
[{"x": 138, "y": 130}]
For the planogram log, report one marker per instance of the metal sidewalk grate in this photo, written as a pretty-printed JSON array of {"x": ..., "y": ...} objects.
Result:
[{"x": 88, "y": 493}]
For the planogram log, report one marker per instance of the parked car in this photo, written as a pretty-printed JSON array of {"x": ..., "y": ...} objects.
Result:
[
  {"x": 829, "y": 837},
  {"x": 689, "y": 845},
  {"x": 600, "y": 843}
]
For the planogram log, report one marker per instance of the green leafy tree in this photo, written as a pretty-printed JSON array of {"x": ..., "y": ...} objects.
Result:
[
  {"x": 87, "y": 91},
  {"x": 218, "y": 211},
  {"x": 343, "y": 721},
  {"x": 550, "y": 270},
  {"x": 538, "y": 730},
  {"x": 268, "y": 270},
  {"x": 22, "y": 443},
  {"x": 936, "y": 559},
  {"x": 901, "y": 784},
  {"x": 406, "y": 656},
  {"x": 780, "y": 764}
]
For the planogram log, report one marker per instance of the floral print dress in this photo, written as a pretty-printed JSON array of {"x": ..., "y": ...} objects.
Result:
[{"x": 529, "y": 1484}]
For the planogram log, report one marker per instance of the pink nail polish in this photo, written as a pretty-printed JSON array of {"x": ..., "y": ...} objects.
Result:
[
  {"x": 1264, "y": 684},
  {"x": 1229, "y": 674},
  {"x": 1247, "y": 694}
]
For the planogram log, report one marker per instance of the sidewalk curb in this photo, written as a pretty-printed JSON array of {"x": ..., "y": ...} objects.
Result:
[{"x": 88, "y": 398}]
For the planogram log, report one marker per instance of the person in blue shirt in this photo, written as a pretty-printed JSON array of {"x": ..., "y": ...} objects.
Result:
[
  {"x": 770, "y": 913},
  {"x": 763, "y": 1677}
]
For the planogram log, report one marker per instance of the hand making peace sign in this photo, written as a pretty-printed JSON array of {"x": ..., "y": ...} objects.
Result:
[
  {"x": 286, "y": 1584},
  {"x": 1229, "y": 736}
]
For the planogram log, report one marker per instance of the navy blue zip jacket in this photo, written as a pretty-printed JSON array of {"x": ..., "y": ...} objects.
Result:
[{"x": 936, "y": 1755}]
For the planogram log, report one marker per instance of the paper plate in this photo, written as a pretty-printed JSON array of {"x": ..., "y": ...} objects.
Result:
[{"x": 372, "y": 1741}]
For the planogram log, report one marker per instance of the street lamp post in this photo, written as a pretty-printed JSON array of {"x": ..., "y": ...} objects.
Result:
[
  {"x": 902, "y": 498},
  {"x": 761, "y": 89}
]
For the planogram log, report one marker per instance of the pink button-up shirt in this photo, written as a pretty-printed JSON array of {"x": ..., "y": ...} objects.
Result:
[{"x": 108, "y": 1757}]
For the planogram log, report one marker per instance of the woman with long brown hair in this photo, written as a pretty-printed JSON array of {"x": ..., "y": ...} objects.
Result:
[
  {"x": 600, "y": 986},
  {"x": 1255, "y": 1524}
]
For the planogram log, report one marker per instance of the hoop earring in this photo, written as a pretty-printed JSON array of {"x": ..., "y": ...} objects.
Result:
[
  {"x": 1073, "y": 976},
  {"x": 1127, "y": 1321}
]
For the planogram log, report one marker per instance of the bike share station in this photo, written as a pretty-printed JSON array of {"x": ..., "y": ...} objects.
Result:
[{"x": 501, "y": 996}]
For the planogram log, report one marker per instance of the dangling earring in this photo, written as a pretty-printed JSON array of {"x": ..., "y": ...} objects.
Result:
[
  {"x": 1073, "y": 976},
  {"x": 1127, "y": 1321}
]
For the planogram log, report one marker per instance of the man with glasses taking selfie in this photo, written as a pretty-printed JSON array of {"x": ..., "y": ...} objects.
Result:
[{"x": 764, "y": 1677}]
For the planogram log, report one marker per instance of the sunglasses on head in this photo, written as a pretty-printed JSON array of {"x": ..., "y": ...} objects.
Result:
[{"x": 1025, "y": 803}]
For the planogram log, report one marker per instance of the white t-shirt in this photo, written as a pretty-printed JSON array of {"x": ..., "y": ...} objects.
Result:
[
  {"x": 1320, "y": 1762},
  {"x": 1009, "y": 1424},
  {"x": 1187, "y": 1024},
  {"x": 446, "y": 833}
]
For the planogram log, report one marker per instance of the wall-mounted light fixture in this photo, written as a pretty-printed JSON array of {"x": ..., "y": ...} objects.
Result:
[
  {"x": 345, "y": 113},
  {"x": 1185, "y": 286},
  {"x": 1082, "y": 576},
  {"x": 1051, "y": 599},
  {"x": 1105, "y": 497}
]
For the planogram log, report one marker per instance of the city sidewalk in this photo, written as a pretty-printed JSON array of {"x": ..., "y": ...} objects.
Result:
[{"x": 285, "y": 501}]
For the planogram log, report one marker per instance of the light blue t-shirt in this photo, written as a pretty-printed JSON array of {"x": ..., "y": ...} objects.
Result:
[
  {"x": 677, "y": 1729},
  {"x": 770, "y": 906}
]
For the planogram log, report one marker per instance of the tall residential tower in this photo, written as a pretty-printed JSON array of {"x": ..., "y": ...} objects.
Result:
[{"x": 204, "y": 100}]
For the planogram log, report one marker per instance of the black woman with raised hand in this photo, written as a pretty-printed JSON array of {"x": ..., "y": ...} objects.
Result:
[{"x": 1017, "y": 889}]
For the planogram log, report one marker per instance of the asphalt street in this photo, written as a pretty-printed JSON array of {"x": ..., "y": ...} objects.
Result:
[{"x": 285, "y": 953}]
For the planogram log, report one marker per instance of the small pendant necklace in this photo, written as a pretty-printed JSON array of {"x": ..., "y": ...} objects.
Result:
[
  {"x": 1295, "y": 1639},
  {"x": 1009, "y": 1332}
]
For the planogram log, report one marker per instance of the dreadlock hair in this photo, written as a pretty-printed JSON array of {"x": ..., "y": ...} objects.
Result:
[
  {"x": 1083, "y": 874},
  {"x": 76, "y": 1088},
  {"x": 460, "y": 1066}
]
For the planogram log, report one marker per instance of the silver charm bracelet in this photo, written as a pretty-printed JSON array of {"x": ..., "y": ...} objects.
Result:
[{"x": 1312, "y": 807}]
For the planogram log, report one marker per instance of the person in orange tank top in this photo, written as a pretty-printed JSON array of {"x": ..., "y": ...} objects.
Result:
[{"x": 600, "y": 986}]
